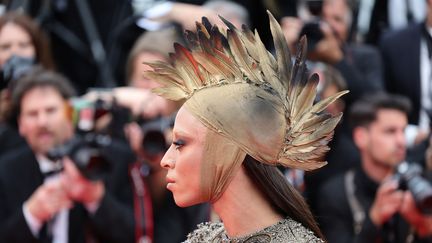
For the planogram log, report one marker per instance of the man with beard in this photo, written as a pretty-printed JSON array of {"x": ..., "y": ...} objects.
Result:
[
  {"x": 37, "y": 205},
  {"x": 365, "y": 203}
]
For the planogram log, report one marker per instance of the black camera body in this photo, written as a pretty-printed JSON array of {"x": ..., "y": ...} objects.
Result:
[
  {"x": 314, "y": 7},
  {"x": 88, "y": 148},
  {"x": 409, "y": 176},
  {"x": 312, "y": 30},
  {"x": 86, "y": 151},
  {"x": 154, "y": 141}
]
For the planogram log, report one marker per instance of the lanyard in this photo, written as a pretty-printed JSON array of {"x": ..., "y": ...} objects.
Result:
[{"x": 143, "y": 208}]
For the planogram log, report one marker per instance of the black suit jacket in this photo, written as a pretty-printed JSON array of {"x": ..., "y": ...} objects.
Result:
[
  {"x": 401, "y": 55},
  {"x": 20, "y": 176},
  {"x": 362, "y": 70},
  {"x": 336, "y": 218}
]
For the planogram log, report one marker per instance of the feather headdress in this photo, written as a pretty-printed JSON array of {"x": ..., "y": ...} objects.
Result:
[{"x": 264, "y": 103}]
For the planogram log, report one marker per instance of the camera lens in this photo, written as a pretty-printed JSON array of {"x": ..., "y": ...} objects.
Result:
[
  {"x": 422, "y": 193},
  {"x": 421, "y": 189},
  {"x": 154, "y": 142}
]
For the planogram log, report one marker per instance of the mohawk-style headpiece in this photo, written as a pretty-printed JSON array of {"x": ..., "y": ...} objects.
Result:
[{"x": 263, "y": 103}]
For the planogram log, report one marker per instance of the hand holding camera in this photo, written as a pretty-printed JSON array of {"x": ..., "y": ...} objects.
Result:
[
  {"x": 411, "y": 213},
  {"x": 408, "y": 194},
  {"x": 388, "y": 201},
  {"x": 79, "y": 188},
  {"x": 61, "y": 192},
  {"x": 327, "y": 49},
  {"x": 49, "y": 199}
]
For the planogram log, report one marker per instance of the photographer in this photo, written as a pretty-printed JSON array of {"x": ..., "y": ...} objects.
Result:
[
  {"x": 360, "y": 65},
  {"x": 150, "y": 135},
  {"x": 368, "y": 203},
  {"x": 40, "y": 202},
  {"x": 22, "y": 44}
]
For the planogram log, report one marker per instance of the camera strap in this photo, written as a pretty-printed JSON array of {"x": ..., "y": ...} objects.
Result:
[
  {"x": 143, "y": 208},
  {"x": 356, "y": 208}
]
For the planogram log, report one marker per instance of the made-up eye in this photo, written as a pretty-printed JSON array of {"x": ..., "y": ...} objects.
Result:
[{"x": 178, "y": 143}]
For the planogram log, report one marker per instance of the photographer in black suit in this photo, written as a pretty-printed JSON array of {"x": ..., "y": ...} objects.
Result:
[
  {"x": 369, "y": 203},
  {"x": 24, "y": 44},
  {"x": 37, "y": 205}
]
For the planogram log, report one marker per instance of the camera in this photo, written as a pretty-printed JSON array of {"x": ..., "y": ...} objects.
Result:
[
  {"x": 88, "y": 149},
  {"x": 14, "y": 68},
  {"x": 409, "y": 176},
  {"x": 154, "y": 141},
  {"x": 312, "y": 29},
  {"x": 314, "y": 7}
]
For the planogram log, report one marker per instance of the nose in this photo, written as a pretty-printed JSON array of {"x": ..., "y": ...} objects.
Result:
[
  {"x": 42, "y": 119},
  {"x": 401, "y": 139},
  {"x": 168, "y": 161}
]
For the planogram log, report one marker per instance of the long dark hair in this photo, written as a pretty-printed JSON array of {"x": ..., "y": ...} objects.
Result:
[
  {"x": 38, "y": 37},
  {"x": 280, "y": 193}
]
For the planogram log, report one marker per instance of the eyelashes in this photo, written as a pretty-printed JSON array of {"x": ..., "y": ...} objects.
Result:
[{"x": 179, "y": 143}]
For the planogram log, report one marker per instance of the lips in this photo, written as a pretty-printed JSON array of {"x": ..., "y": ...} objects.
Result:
[
  {"x": 44, "y": 135},
  {"x": 169, "y": 180}
]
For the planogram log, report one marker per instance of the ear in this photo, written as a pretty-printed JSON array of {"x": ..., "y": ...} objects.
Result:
[
  {"x": 69, "y": 110},
  {"x": 361, "y": 137}
]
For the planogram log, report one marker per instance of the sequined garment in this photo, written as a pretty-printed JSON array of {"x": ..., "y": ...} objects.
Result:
[{"x": 285, "y": 231}]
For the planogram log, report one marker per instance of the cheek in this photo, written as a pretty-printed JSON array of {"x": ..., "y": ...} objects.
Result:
[
  {"x": 188, "y": 170},
  {"x": 61, "y": 124},
  {"x": 27, "y": 52},
  {"x": 188, "y": 190},
  {"x": 24, "y": 127},
  {"x": 4, "y": 55},
  {"x": 341, "y": 29},
  {"x": 381, "y": 147}
]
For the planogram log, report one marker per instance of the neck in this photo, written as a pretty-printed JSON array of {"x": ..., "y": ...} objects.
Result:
[
  {"x": 376, "y": 171},
  {"x": 243, "y": 209}
]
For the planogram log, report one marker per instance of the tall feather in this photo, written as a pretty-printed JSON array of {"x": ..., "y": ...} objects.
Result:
[
  {"x": 216, "y": 59},
  {"x": 188, "y": 67},
  {"x": 241, "y": 56},
  {"x": 283, "y": 55}
]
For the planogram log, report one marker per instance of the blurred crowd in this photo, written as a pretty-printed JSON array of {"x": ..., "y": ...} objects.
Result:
[{"x": 82, "y": 135}]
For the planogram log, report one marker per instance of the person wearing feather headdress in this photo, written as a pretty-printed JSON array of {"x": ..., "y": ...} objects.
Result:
[{"x": 245, "y": 111}]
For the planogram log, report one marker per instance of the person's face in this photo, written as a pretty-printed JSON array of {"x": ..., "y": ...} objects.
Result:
[
  {"x": 384, "y": 140},
  {"x": 335, "y": 13},
  {"x": 184, "y": 158},
  {"x": 43, "y": 120},
  {"x": 155, "y": 105},
  {"x": 14, "y": 40},
  {"x": 138, "y": 79}
]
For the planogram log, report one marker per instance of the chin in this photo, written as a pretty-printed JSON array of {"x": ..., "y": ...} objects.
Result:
[{"x": 183, "y": 203}]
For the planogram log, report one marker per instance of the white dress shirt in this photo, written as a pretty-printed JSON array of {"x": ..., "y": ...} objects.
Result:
[{"x": 60, "y": 223}]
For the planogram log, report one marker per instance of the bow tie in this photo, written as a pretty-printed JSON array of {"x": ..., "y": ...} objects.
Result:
[{"x": 50, "y": 173}]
